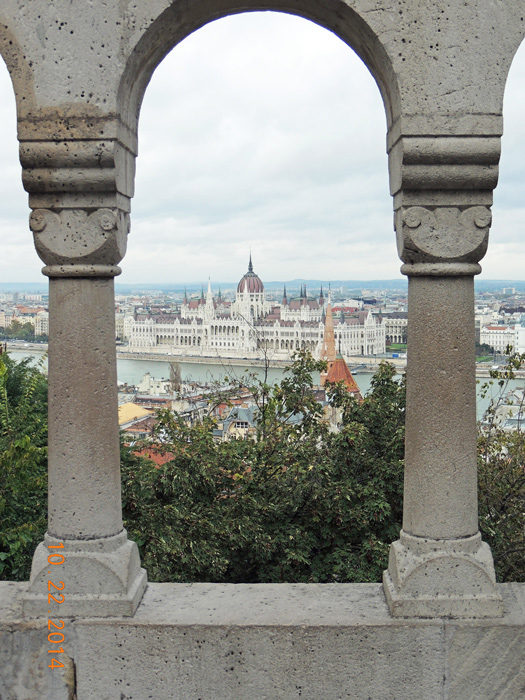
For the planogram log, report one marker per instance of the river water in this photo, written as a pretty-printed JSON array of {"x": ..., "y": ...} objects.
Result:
[{"x": 131, "y": 372}]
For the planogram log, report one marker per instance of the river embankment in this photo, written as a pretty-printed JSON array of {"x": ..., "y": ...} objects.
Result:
[{"x": 131, "y": 367}]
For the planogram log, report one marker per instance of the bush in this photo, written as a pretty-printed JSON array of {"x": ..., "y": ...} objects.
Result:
[
  {"x": 296, "y": 503},
  {"x": 501, "y": 471},
  {"x": 23, "y": 465}
]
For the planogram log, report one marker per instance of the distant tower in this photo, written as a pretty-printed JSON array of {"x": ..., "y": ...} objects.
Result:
[
  {"x": 285, "y": 300},
  {"x": 328, "y": 349},
  {"x": 321, "y": 297},
  {"x": 249, "y": 300},
  {"x": 209, "y": 306},
  {"x": 337, "y": 369}
]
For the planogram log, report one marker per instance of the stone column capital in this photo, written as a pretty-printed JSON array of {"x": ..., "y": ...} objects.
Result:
[
  {"x": 79, "y": 191},
  {"x": 80, "y": 242},
  {"x": 442, "y": 237},
  {"x": 442, "y": 186}
]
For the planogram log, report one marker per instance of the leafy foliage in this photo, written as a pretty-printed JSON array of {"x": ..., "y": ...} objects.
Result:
[
  {"x": 23, "y": 465},
  {"x": 501, "y": 472},
  {"x": 298, "y": 503},
  {"x": 21, "y": 331}
]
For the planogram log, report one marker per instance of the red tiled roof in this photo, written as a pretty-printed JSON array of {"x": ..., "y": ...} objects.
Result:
[
  {"x": 158, "y": 458},
  {"x": 338, "y": 372}
]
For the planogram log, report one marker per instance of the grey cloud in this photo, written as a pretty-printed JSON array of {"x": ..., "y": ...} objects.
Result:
[{"x": 265, "y": 130}]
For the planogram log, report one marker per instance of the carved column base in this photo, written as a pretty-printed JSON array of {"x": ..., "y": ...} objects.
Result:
[
  {"x": 102, "y": 578},
  {"x": 441, "y": 578}
]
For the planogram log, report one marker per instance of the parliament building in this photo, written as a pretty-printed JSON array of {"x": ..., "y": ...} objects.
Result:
[{"x": 250, "y": 325}]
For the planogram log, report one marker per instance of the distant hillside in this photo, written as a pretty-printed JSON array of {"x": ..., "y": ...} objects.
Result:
[
  {"x": 291, "y": 285},
  {"x": 348, "y": 286},
  {"x": 21, "y": 287}
]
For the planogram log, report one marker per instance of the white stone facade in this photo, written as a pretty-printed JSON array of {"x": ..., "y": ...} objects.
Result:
[
  {"x": 396, "y": 326},
  {"x": 251, "y": 325},
  {"x": 42, "y": 323},
  {"x": 498, "y": 337}
]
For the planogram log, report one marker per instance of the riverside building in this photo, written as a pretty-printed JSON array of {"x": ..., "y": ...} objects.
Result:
[{"x": 249, "y": 325}]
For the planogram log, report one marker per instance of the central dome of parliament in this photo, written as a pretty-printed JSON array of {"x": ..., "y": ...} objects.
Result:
[{"x": 251, "y": 282}]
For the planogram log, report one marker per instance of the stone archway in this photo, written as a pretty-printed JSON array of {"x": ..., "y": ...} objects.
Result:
[
  {"x": 78, "y": 141},
  {"x": 170, "y": 28}
]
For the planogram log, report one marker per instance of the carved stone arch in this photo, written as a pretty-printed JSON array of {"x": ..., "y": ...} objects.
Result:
[
  {"x": 17, "y": 66},
  {"x": 176, "y": 23},
  {"x": 507, "y": 61}
]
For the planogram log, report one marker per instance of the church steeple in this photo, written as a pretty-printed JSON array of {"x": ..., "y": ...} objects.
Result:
[
  {"x": 285, "y": 300},
  {"x": 328, "y": 351},
  {"x": 337, "y": 370},
  {"x": 209, "y": 305},
  {"x": 321, "y": 297}
]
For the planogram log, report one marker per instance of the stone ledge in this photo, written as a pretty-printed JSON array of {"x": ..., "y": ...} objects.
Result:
[
  {"x": 262, "y": 642},
  {"x": 265, "y": 604}
]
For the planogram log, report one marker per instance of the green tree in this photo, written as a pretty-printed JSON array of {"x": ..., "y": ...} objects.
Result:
[
  {"x": 19, "y": 331},
  {"x": 501, "y": 472},
  {"x": 23, "y": 465},
  {"x": 296, "y": 503}
]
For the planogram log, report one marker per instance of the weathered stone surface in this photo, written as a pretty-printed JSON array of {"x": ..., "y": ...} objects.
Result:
[
  {"x": 440, "y": 499},
  {"x": 443, "y": 234},
  {"x": 101, "y": 576},
  {"x": 74, "y": 237},
  {"x": 101, "y": 568},
  {"x": 79, "y": 70},
  {"x": 441, "y": 578},
  {"x": 439, "y": 566},
  {"x": 320, "y": 642}
]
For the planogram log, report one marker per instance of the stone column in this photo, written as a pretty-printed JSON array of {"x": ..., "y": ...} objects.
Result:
[
  {"x": 101, "y": 568},
  {"x": 440, "y": 566}
]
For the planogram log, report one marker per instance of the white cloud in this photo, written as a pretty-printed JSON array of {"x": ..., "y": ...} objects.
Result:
[
  {"x": 285, "y": 152},
  {"x": 264, "y": 131}
]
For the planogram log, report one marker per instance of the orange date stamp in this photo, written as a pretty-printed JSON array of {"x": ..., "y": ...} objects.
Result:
[{"x": 55, "y": 559}]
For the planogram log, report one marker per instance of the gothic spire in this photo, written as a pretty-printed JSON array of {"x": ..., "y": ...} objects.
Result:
[
  {"x": 337, "y": 369},
  {"x": 250, "y": 266},
  {"x": 328, "y": 351}
]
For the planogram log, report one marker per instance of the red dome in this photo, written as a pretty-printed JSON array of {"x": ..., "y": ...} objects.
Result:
[{"x": 251, "y": 282}]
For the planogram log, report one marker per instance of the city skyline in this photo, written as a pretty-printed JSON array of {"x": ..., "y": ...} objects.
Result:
[{"x": 273, "y": 153}]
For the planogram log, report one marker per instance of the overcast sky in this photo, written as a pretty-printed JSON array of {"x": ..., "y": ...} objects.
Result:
[{"x": 265, "y": 131}]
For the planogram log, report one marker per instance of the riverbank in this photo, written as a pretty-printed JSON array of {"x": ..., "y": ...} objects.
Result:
[
  {"x": 357, "y": 363},
  {"x": 200, "y": 360}
]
